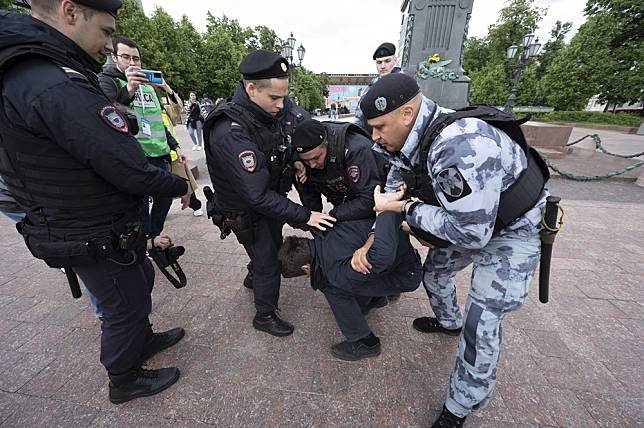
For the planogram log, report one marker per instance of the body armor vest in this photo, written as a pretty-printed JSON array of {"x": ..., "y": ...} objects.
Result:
[
  {"x": 269, "y": 140},
  {"x": 333, "y": 182},
  {"x": 515, "y": 201},
  {"x": 42, "y": 176}
]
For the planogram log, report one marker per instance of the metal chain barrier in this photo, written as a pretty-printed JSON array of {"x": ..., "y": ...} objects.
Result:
[{"x": 598, "y": 147}]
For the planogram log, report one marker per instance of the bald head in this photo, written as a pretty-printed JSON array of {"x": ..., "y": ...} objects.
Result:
[{"x": 392, "y": 129}]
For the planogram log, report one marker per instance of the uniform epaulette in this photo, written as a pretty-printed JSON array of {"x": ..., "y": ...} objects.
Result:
[{"x": 73, "y": 74}]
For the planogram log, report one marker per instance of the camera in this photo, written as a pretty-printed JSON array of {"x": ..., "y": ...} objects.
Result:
[{"x": 169, "y": 258}]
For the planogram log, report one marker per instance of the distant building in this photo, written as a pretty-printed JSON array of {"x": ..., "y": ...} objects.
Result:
[
  {"x": 595, "y": 105},
  {"x": 345, "y": 90}
]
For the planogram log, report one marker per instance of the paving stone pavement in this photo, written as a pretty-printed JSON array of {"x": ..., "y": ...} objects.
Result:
[{"x": 576, "y": 361}]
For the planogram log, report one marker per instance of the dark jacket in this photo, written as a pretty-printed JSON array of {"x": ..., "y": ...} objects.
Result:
[
  {"x": 395, "y": 263},
  {"x": 73, "y": 122},
  {"x": 362, "y": 174},
  {"x": 110, "y": 87},
  {"x": 239, "y": 169}
]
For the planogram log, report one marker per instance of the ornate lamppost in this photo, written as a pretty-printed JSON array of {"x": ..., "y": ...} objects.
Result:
[
  {"x": 287, "y": 52},
  {"x": 529, "y": 51}
]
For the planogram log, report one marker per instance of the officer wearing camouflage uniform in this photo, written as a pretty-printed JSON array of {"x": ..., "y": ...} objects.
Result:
[
  {"x": 470, "y": 164},
  {"x": 385, "y": 59}
]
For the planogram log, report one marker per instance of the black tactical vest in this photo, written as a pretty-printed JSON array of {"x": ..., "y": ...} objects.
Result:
[
  {"x": 515, "y": 201},
  {"x": 269, "y": 140},
  {"x": 42, "y": 176},
  {"x": 333, "y": 182}
]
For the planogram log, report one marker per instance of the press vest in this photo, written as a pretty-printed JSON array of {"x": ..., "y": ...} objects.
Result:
[
  {"x": 149, "y": 109},
  {"x": 515, "y": 201},
  {"x": 269, "y": 139}
]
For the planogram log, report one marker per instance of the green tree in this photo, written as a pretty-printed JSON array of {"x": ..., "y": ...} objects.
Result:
[
  {"x": 308, "y": 87},
  {"x": 484, "y": 60},
  {"x": 265, "y": 38},
  {"x": 8, "y": 5},
  {"x": 553, "y": 47}
]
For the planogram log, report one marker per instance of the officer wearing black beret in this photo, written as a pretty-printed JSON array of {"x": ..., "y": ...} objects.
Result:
[
  {"x": 248, "y": 157},
  {"x": 339, "y": 164},
  {"x": 82, "y": 188},
  {"x": 385, "y": 59}
]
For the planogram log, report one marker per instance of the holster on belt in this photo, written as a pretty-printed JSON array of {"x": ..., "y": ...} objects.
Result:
[{"x": 548, "y": 234}]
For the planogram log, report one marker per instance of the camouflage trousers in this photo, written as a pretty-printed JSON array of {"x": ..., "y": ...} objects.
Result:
[{"x": 501, "y": 277}]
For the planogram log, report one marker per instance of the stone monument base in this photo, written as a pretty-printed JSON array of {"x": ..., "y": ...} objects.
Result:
[{"x": 547, "y": 138}]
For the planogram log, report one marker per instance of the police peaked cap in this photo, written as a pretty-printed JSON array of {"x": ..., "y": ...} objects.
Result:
[
  {"x": 385, "y": 49},
  {"x": 109, "y": 6},
  {"x": 261, "y": 64},
  {"x": 387, "y": 94},
  {"x": 308, "y": 135}
]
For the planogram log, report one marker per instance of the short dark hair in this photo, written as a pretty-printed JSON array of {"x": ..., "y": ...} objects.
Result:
[
  {"x": 125, "y": 41},
  {"x": 293, "y": 254}
]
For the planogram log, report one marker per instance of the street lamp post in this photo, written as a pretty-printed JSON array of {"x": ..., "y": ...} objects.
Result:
[
  {"x": 287, "y": 52},
  {"x": 529, "y": 51}
]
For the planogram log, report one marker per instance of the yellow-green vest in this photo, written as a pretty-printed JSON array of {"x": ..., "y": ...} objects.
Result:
[{"x": 149, "y": 108}]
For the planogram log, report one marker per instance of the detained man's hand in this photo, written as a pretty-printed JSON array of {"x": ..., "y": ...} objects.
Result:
[
  {"x": 359, "y": 261},
  {"x": 300, "y": 171},
  {"x": 387, "y": 201},
  {"x": 320, "y": 220}
]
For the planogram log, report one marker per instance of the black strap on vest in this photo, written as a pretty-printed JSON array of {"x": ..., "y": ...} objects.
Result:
[{"x": 517, "y": 199}]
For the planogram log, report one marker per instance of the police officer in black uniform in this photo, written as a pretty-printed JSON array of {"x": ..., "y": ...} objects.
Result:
[
  {"x": 340, "y": 165},
  {"x": 290, "y": 118},
  {"x": 68, "y": 158},
  {"x": 248, "y": 161}
]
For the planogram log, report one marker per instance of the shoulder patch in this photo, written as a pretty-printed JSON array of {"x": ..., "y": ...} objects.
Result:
[
  {"x": 114, "y": 118},
  {"x": 248, "y": 160},
  {"x": 453, "y": 184},
  {"x": 354, "y": 173}
]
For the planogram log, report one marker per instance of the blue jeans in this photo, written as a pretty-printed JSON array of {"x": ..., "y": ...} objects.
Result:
[{"x": 154, "y": 219}]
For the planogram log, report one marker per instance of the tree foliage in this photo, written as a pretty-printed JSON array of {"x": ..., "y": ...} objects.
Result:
[{"x": 205, "y": 62}]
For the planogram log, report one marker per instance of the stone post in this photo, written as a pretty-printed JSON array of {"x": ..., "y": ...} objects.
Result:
[{"x": 436, "y": 27}]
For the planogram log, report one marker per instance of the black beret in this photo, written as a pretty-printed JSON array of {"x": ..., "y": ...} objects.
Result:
[
  {"x": 261, "y": 64},
  {"x": 308, "y": 135},
  {"x": 385, "y": 49},
  {"x": 387, "y": 94},
  {"x": 109, "y": 6}
]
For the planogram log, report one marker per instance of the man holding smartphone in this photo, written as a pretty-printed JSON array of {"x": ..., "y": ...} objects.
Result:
[{"x": 124, "y": 83}]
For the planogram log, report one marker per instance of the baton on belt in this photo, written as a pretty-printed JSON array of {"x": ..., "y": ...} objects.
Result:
[
  {"x": 72, "y": 279},
  {"x": 548, "y": 234}
]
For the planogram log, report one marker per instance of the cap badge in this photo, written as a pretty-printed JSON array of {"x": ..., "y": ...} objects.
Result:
[
  {"x": 284, "y": 67},
  {"x": 381, "y": 103}
]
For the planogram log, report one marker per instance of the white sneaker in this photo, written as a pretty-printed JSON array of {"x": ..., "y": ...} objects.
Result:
[
  {"x": 198, "y": 213},
  {"x": 199, "y": 148},
  {"x": 194, "y": 147}
]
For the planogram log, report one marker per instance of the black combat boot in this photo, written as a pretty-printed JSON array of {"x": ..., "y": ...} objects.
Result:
[
  {"x": 431, "y": 325},
  {"x": 375, "y": 302},
  {"x": 448, "y": 420},
  {"x": 248, "y": 281},
  {"x": 354, "y": 351},
  {"x": 272, "y": 324},
  {"x": 140, "y": 383},
  {"x": 160, "y": 341}
]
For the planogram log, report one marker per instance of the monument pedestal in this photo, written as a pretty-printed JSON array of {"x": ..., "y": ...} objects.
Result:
[{"x": 547, "y": 138}]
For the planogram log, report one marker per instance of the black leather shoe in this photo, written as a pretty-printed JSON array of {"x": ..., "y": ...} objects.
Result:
[
  {"x": 376, "y": 302},
  {"x": 141, "y": 383},
  {"x": 354, "y": 351},
  {"x": 448, "y": 420},
  {"x": 160, "y": 341},
  {"x": 248, "y": 281},
  {"x": 272, "y": 324},
  {"x": 431, "y": 325}
]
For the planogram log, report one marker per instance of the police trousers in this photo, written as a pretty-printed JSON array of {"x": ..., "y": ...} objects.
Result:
[
  {"x": 346, "y": 303},
  {"x": 124, "y": 295},
  {"x": 501, "y": 277},
  {"x": 263, "y": 265}
]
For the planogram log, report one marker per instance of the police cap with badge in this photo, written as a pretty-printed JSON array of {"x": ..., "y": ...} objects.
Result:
[
  {"x": 262, "y": 64},
  {"x": 388, "y": 94},
  {"x": 109, "y": 6},
  {"x": 308, "y": 135}
]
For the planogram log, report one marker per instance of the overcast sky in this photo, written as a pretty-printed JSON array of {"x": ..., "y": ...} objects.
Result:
[{"x": 340, "y": 36}]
